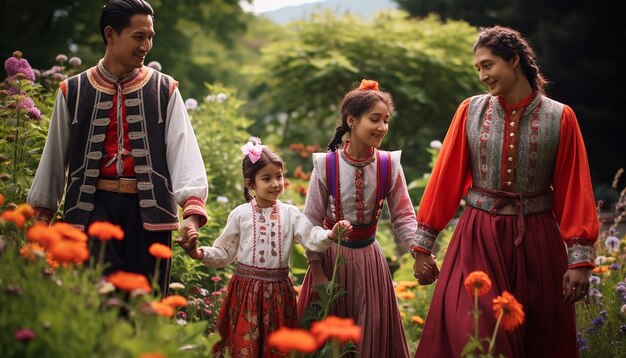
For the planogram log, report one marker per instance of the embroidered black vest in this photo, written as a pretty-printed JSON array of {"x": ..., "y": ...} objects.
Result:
[{"x": 89, "y": 100}]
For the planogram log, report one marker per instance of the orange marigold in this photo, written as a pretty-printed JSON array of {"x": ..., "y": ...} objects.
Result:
[
  {"x": 405, "y": 295},
  {"x": 292, "y": 339},
  {"x": 417, "y": 319},
  {"x": 31, "y": 251},
  {"x": 129, "y": 281},
  {"x": 25, "y": 210},
  {"x": 67, "y": 251},
  {"x": 511, "y": 310},
  {"x": 369, "y": 85},
  {"x": 478, "y": 283},
  {"x": 69, "y": 232},
  {"x": 152, "y": 355},
  {"x": 161, "y": 251},
  {"x": 341, "y": 329},
  {"x": 105, "y": 231},
  {"x": 162, "y": 309},
  {"x": 1, "y": 199},
  {"x": 175, "y": 301},
  {"x": 13, "y": 216},
  {"x": 43, "y": 234}
]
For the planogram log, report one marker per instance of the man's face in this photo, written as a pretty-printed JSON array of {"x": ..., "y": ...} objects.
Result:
[{"x": 129, "y": 48}]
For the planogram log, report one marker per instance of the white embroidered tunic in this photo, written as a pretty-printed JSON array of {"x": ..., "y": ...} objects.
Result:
[{"x": 264, "y": 237}]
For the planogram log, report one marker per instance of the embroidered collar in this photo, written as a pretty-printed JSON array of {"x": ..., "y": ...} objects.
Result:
[
  {"x": 106, "y": 75},
  {"x": 521, "y": 104},
  {"x": 355, "y": 162}
]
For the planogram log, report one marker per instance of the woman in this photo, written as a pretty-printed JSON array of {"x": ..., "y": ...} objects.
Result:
[{"x": 518, "y": 159}]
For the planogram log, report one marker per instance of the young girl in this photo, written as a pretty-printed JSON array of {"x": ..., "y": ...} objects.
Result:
[
  {"x": 260, "y": 235},
  {"x": 519, "y": 160},
  {"x": 352, "y": 183}
]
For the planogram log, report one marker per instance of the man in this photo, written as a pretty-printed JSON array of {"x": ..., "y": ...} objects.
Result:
[{"x": 121, "y": 148}]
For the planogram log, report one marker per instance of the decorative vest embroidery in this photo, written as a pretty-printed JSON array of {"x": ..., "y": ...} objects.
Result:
[
  {"x": 538, "y": 134},
  {"x": 89, "y": 100}
]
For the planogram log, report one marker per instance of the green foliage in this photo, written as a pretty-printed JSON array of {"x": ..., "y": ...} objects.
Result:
[
  {"x": 425, "y": 64},
  {"x": 220, "y": 129},
  {"x": 71, "y": 315}
]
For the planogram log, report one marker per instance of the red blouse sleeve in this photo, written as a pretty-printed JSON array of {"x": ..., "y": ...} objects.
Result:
[
  {"x": 574, "y": 203},
  {"x": 450, "y": 179}
]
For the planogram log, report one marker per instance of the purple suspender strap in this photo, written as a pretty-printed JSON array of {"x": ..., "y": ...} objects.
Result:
[
  {"x": 332, "y": 178},
  {"x": 383, "y": 181}
]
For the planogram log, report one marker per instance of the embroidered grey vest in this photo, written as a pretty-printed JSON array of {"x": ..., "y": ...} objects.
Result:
[
  {"x": 89, "y": 102},
  {"x": 537, "y": 144}
]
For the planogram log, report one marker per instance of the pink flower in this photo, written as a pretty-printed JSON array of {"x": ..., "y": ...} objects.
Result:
[
  {"x": 61, "y": 58},
  {"x": 75, "y": 61},
  {"x": 14, "y": 66},
  {"x": 216, "y": 278},
  {"x": 25, "y": 335},
  {"x": 34, "y": 113}
]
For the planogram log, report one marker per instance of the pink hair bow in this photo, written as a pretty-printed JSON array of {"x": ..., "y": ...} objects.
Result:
[{"x": 253, "y": 151}]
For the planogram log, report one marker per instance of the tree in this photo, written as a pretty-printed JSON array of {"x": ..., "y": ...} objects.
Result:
[{"x": 424, "y": 64}]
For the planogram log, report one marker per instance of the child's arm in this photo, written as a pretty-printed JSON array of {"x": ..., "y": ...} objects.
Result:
[
  {"x": 190, "y": 245},
  {"x": 344, "y": 225}
]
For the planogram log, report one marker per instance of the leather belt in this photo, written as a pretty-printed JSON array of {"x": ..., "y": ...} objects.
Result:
[{"x": 121, "y": 185}]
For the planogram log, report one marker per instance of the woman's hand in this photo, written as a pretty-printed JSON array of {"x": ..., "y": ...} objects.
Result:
[
  {"x": 425, "y": 268},
  {"x": 346, "y": 229},
  {"x": 575, "y": 284}
]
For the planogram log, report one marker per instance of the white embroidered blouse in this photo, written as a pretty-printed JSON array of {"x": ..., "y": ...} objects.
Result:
[
  {"x": 264, "y": 237},
  {"x": 356, "y": 206}
]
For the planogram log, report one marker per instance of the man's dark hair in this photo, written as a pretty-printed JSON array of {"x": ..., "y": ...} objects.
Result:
[{"x": 117, "y": 14}]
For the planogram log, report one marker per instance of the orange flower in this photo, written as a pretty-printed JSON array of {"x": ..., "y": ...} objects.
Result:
[
  {"x": 69, "y": 232},
  {"x": 369, "y": 85},
  {"x": 512, "y": 311},
  {"x": 405, "y": 295},
  {"x": 601, "y": 269},
  {"x": 292, "y": 339},
  {"x": 341, "y": 329},
  {"x": 25, "y": 210},
  {"x": 152, "y": 355},
  {"x": 161, "y": 251},
  {"x": 105, "y": 231},
  {"x": 43, "y": 234},
  {"x": 1, "y": 199},
  {"x": 67, "y": 251},
  {"x": 175, "y": 301},
  {"x": 477, "y": 283},
  {"x": 129, "y": 281},
  {"x": 14, "y": 217},
  {"x": 31, "y": 251},
  {"x": 163, "y": 309},
  {"x": 417, "y": 319},
  {"x": 408, "y": 283}
]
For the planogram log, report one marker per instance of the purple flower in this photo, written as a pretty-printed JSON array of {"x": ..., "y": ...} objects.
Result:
[
  {"x": 34, "y": 113},
  {"x": 155, "y": 65},
  {"x": 594, "y": 292},
  {"x": 14, "y": 66},
  {"x": 75, "y": 61},
  {"x": 582, "y": 342},
  {"x": 598, "y": 321},
  {"x": 594, "y": 280},
  {"x": 25, "y": 335},
  {"x": 614, "y": 266},
  {"x": 26, "y": 103},
  {"x": 61, "y": 58},
  {"x": 612, "y": 243}
]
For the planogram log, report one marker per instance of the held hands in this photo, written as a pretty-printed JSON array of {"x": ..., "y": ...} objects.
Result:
[
  {"x": 189, "y": 237},
  {"x": 425, "y": 268},
  {"x": 346, "y": 229},
  {"x": 575, "y": 284}
]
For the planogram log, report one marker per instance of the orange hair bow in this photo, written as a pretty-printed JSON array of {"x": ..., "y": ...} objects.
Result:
[{"x": 369, "y": 85}]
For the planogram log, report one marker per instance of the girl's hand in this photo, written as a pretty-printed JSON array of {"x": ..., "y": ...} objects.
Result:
[
  {"x": 575, "y": 284},
  {"x": 425, "y": 268},
  {"x": 189, "y": 243},
  {"x": 346, "y": 229}
]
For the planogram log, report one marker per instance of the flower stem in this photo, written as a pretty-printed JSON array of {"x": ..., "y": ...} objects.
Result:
[
  {"x": 155, "y": 275},
  {"x": 476, "y": 313},
  {"x": 331, "y": 284},
  {"x": 492, "y": 342}
]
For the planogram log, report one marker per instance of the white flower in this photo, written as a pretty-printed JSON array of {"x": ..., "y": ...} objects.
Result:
[
  {"x": 435, "y": 144},
  {"x": 177, "y": 286},
  {"x": 222, "y": 199},
  {"x": 221, "y": 97},
  {"x": 181, "y": 322},
  {"x": 191, "y": 104},
  {"x": 600, "y": 260},
  {"x": 209, "y": 98}
]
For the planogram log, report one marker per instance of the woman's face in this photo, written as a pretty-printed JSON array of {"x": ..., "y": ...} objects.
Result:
[
  {"x": 371, "y": 127},
  {"x": 494, "y": 71}
]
